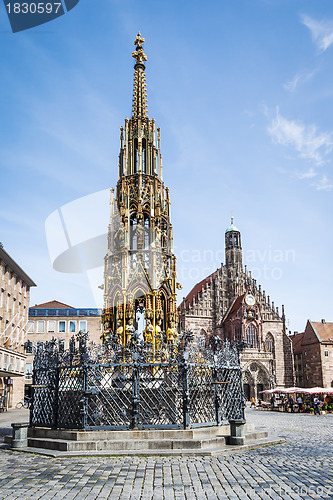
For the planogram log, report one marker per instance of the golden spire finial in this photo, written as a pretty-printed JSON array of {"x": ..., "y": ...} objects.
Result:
[
  {"x": 139, "y": 55},
  {"x": 139, "y": 90}
]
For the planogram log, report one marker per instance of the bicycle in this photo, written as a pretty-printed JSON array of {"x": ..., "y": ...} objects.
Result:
[{"x": 24, "y": 404}]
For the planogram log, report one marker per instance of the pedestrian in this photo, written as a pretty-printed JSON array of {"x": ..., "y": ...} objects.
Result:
[
  {"x": 272, "y": 402},
  {"x": 253, "y": 402},
  {"x": 316, "y": 404},
  {"x": 291, "y": 403},
  {"x": 300, "y": 404}
]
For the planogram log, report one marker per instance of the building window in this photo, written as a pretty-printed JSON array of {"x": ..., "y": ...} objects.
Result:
[
  {"x": 238, "y": 333},
  {"x": 30, "y": 328},
  {"x": 40, "y": 326},
  {"x": 28, "y": 371},
  {"x": 270, "y": 343},
  {"x": 252, "y": 337},
  {"x": 83, "y": 326},
  {"x": 62, "y": 326},
  {"x": 72, "y": 326},
  {"x": 9, "y": 276},
  {"x": 51, "y": 326},
  {"x": 326, "y": 354}
]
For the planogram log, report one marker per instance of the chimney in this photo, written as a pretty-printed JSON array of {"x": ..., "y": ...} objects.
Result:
[{"x": 323, "y": 321}]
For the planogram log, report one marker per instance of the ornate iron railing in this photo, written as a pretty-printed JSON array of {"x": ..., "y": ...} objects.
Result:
[{"x": 116, "y": 387}]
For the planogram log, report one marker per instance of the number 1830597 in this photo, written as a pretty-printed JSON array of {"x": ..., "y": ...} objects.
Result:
[{"x": 33, "y": 8}]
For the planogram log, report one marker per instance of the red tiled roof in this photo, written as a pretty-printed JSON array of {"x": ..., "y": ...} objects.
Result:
[
  {"x": 323, "y": 330},
  {"x": 196, "y": 289},
  {"x": 53, "y": 304},
  {"x": 297, "y": 342}
]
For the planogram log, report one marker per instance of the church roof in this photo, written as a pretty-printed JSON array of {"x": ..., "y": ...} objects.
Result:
[
  {"x": 232, "y": 227},
  {"x": 197, "y": 288}
]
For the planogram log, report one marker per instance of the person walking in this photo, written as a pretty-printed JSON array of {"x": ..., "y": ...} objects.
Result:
[
  {"x": 272, "y": 402},
  {"x": 316, "y": 403},
  {"x": 291, "y": 403},
  {"x": 253, "y": 402},
  {"x": 300, "y": 404}
]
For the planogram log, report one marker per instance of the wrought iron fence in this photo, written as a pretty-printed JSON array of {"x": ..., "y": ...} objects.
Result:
[{"x": 132, "y": 387}]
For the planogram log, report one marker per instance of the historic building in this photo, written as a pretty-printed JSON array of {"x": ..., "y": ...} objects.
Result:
[
  {"x": 231, "y": 305},
  {"x": 313, "y": 355},
  {"x": 14, "y": 304},
  {"x": 140, "y": 267},
  {"x": 60, "y": 321}
]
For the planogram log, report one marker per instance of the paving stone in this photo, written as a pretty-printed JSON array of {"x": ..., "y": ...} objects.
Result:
[{"x": 300, "y": 469}]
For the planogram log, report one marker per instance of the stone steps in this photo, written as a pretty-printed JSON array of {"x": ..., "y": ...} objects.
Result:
[
  {"x": 126, "y": 444},
  {"x": 199, "y": 441}
]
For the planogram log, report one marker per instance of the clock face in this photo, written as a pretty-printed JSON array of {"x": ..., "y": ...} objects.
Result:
[{"x": 250, "y": 300}]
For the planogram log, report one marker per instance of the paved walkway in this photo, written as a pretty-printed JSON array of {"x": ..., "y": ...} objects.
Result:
[{"x": 300, "y": 469}]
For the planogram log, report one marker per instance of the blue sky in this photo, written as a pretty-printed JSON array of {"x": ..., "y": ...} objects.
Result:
[{"x": 242, "y": 92}]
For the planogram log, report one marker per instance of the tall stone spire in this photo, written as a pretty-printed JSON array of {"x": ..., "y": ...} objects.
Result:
[
  {"x": 140, "y": 266},
  {"x": 139, "y": 88}
]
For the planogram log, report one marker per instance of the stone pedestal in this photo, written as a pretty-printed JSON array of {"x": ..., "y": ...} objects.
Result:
[
  {"x": 237, "y": 428},
  {"x": 20, "y": 435}
]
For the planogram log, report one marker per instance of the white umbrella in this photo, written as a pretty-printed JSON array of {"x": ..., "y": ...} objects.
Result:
[{"x": 318, "y": 390}]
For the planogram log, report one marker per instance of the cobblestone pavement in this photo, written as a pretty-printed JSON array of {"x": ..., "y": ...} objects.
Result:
[{"x": 300, "y": 469}]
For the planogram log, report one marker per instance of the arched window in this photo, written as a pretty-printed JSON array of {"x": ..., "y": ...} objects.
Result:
[
  {"x": 134, "y": 234},
  {"x": 269, "y": 342},
  {"x": 230, "y": 240},
  {"x": 236, "y": 240},
  {"x": 147, "y": 232},
  {"x": 135, "y": 156},
  {"x": 252, "y": 337},
  {"x": 144, "y": 156},
  {"x": 238, "y": 333}
]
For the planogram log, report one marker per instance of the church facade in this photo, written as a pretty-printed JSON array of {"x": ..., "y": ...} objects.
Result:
[{"x": 231, "y": 305}]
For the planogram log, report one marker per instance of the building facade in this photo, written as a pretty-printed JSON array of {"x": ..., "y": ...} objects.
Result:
[
  {"x": 313, "y": 355},
  {"x": 231, "y": 305},
  {"x": 60, "y": 321},
  {"x": 14, "y": 305},
  {"x": 140, "y": 266}
]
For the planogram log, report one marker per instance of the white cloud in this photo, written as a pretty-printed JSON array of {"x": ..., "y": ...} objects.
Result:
[
  {"x": 299, "y": 78},
  {"x": 307, "y": 175},
  {"x": 310, "y": 144},
  {"x": 321, "y": 32},
  {"x": 324, "y": 184},
  {"x": 291, "y": 85}
]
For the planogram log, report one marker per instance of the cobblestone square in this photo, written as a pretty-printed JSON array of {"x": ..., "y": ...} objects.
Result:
[{"x": 302, "y": 468}]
